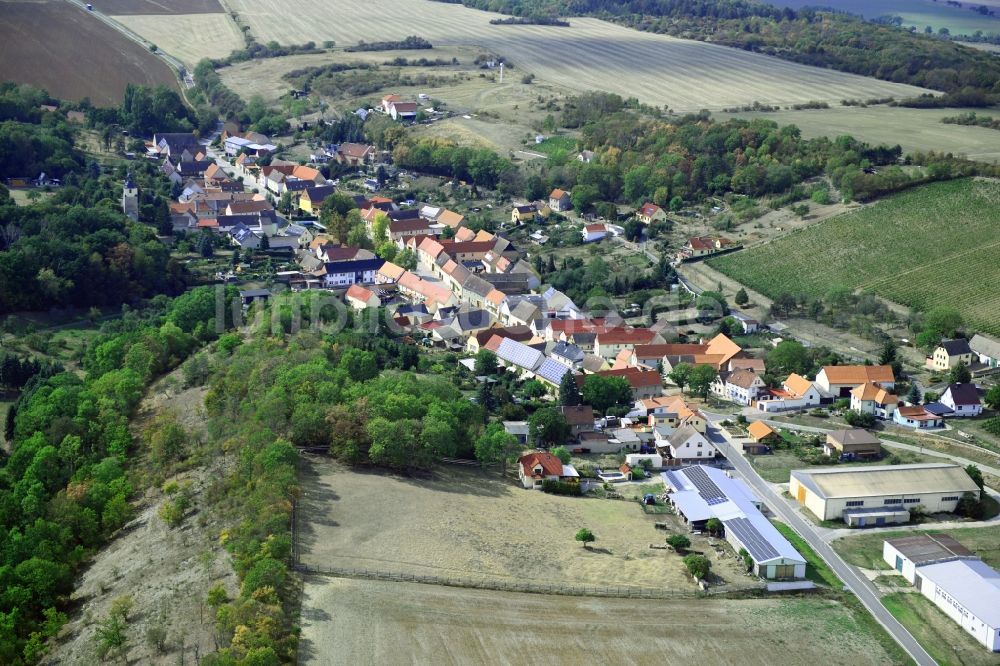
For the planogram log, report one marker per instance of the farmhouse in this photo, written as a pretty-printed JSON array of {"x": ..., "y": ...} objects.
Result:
[
  {"x": 704, "y": 246},
  {"x": 672, "y": 412},
  {"x": 962, "y": 400},
  {"x": 954, "y": 579},
  {"x": 594, "y": 232},
  {"x": 702, "y": 493},
  {"x": 838, "y": 380},
  {"x": 403, "y": 110},
  {"x": 987, "y": 350},
  {"x": 796, "y": 392},
  {"x": 740, "y": 386},
  {"x": 649, "y": 213},
  {"x": 360, "y": 298},
  {"x": 355, "y": 154},
  {"x": 644, "y": 383},
  {"x": 523, "y": 213},
  {"x": 852, "y": 443},
  {"x": 950, "y": 353},
  {"x": 880, "y": 495},
  {"x": 539, "y": 466}
]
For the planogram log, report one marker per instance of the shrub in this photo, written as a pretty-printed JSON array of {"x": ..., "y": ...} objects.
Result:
[
  {"x": 554, "y": 487},
  {"x": 697, "y": 565},
  {"x": 679, "y": 542}
]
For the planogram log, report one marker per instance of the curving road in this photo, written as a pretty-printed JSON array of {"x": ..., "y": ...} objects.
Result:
[{"x": 858, "y": 584}]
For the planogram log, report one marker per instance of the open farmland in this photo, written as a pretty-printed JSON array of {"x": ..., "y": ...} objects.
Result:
[
  {"x": 917, "y": 13},
  {"x": 932, "y": 245},
  {"x": 467, "y": 524},
  {"x": 187, "y": 37},
  {"x": 112, "y": 7},
  {"x": 913, "y": 129},
  {"x": 592, "y": 54},
  {"x": 92, "y": 59},
  {"x": 370, "y": 622}
]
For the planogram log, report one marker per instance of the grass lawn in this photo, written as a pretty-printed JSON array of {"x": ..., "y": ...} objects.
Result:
[
  {"x": 910, "y": 248},
  {"x": 865, "y": 550},
  {"x": 554, "y": 145},
  {"x": 816, "y": 569},
  {"x": 947, "y": 642},
  {"x": 776, "y": 467}
]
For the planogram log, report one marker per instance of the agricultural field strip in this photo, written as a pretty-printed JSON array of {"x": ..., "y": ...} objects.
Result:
[
  {"x": 901, "y": 235},
  {"x": 187, "y": 37},
  {"x": 592, "y": 54}
]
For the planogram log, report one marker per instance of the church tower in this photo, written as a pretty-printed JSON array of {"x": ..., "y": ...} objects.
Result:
[{"x": 130, "y": 199}]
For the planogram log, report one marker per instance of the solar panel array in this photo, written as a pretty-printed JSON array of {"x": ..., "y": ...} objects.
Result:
[
  {"x": 716, "y": 500},
  {"x": 551, "y": 371},
  {"x": 758, "y": 547},
  {"x": 519, "y": 354},
  {"x": 706, "y": 487}
]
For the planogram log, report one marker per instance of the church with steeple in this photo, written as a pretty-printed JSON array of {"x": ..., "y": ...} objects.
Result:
[{"x": 130, "y": 199}]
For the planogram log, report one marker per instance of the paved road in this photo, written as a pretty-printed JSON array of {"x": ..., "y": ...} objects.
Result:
[{"x": 862, "y": 587}]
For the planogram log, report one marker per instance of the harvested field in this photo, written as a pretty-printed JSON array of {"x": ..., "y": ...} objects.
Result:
[
  {"x": 187, "y": 37},
  {"x": 111, "y": 7},
  {"x": 911, "y": 248},
  {"x": 592, "y": 54},
  {"x": 913, "y": 129},
  {"x": 369, "y": 622},
  {"x": 92, "y": 59},
  {"x": 466, "y": 524},
  {"x": 917, "y": 13}
]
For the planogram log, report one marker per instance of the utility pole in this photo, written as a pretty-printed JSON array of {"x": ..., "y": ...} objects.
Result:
[{"x": 501, "y": 72}]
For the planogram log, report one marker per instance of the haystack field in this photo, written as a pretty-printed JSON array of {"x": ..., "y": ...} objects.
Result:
[
  {"x": 91, "y": 59},
  {"x": 187, "y": 37},
  {"x": 370, "y": 622},
  {"x": 590, "y": 55}
]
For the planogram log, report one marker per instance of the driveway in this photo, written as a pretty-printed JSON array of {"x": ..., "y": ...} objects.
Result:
[{"x": 853, "y": 579}]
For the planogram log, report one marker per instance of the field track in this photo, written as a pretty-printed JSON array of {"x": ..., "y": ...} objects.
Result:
[
  {"x": 590, "y": 55},
  {"x": 92, "y": 59}
]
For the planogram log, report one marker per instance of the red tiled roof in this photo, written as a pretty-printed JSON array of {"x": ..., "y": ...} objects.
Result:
[
  {"x": 551, "y": 466},
  {"x": 618, "y": 336}
]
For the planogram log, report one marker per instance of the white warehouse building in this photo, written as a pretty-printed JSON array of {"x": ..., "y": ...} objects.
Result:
[{"x": 964, "y": 587}]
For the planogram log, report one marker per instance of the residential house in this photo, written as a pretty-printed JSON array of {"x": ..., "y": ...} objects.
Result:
[
  {"x": 762, "y": 437},
  {"x": 450, "y": 219},
  {"x": 917, "y": 417},
  {"x": 312, "y": 198},
  {"x": 644, "y": 383},
  {"x": 703, "y": 246},
  {"x": 796, "y": 392},
  {"x": 399, "y": 230},
  {"x": 611, "y": 341},
  {"x": 580, "y": 419},
  {"x": 951, "y": 353},
  {"x": 244, "y": 237},
  {"x": 851, "y": 444},
  {"x": 594, "y": 232},
  {"x": 568, "y": 354},
  {"x": 649, "y": 213},
  {"x": 354, "y": 271},
  {"x": 671, "y": 412},
  {"x": 962, "y": 400},
  {"x": 986, "y": 349},
  {"x": 355, "y": 154},
  {"x": 539, "y": 466},
  {"x": 739, "y": 386},
  {"x": 360, "y": 298},
  {"x": 559, "y": 200},
  {"x": 523, "y": 213},
  {"x": 686, "y": 445},
  {"x": 872, "y": 399},
  {"x": 403, "y": 110},
  {"x": 389, "y": 273},
  {"x": 839, "y": 380}
]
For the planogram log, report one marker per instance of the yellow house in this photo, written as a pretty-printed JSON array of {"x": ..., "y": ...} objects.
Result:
[
  {"x": 522, "y": 214},
  {"x": 950, "y": 353},
  {"x": 650, "y": 213},
  {"x": 311, "y": 200}
]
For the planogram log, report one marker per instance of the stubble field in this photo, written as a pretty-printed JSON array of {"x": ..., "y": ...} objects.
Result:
[
  {"x": 935, "y": 245},
  {"x": 187, "y": 37},
  {"x": 112, "y": 7},
  {"x": 57, "y": 46},
  {"x": 370, "y": 622},
  {"x": 590, "y": 55},
  {"x": 465, "y": 524}
]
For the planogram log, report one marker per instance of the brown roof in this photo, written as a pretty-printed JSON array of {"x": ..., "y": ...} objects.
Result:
[
  {"x": 557, "y": 194},
  {"x": 851, "y": 436},
  {"x": 755, "y": 364},
  {"x": 858, "y": 374},
  {"x": 391, "y": 270},
  {"x": 450, "y": 218},
  {"x": 742, "y": 378},
  {"x": 405, "y": 107},
  {"x": 636, "y": 378},
  {"x": 917, "y": 413},
  {"x": 927, "y": 548},
  {"x": 668, "y": 349},
  {"x": 635, "y": 336},
  {"x": 519, "y": 333},
  {"x": 578, "y": 415},
  {"x": 551, "y": 466},
  {"x": 242, "y": 207},
  {"x": 356, "y": 291},
  {"x": 355, "y": 150}
]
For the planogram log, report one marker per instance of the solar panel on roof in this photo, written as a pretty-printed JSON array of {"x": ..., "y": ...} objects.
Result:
[
  {"x": 706, "y": 487},
  {"x": 712, "y": 501},
  {"x": 551, "y": 370},
  {"x": 759, "y": 548}
]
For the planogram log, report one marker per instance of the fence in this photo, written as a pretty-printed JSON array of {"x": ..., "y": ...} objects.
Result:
[{"x": 621, "y": 592}]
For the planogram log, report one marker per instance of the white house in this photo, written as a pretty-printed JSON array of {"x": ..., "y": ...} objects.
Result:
[
  {"x": 360, "y": 298},
  {"x": 688, "y": 445},
  {"x": 797, "y": 392},
  {"x": 875, "y": 400},
  {"x": 535, "y": 468},
  {"x": 986, "y": 349},
  {"x": 346, "y": 273},
  {"x": 594, "y": 232},
  {"x": 838, "y": 380},
  {"x": 740, "y": 386},
  {"x": 962, "y": 400}
]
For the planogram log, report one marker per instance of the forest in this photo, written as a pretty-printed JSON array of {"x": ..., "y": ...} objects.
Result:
[{"x": 810, "y": 36}]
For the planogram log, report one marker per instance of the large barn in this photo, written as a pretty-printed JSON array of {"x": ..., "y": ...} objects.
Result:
[{"x": 880, "y": 495}]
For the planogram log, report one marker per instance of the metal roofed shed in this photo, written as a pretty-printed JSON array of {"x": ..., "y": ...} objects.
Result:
[
  {"x": 829, "y": 492},
  {"x": 700, "y": 493}
]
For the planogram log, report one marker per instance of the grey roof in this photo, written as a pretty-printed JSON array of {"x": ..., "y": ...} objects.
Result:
[
  {"x": 928, "y": 548},
  {"x": 477, "y": 285},
  {"x": 972, "y": 583},
  {"x": 963, "y": 394},
  {"x": 956, "y": 347},
  {"x": 853, "y": 436},
  {"x": 985, "y": 345},
  {"x": 254, "y": 293},
  {"x": 516, "y": 427},
  {"x": 683, "y": 434},
  {"x": 525, "y": 310},
  {"x": 568, "y": 351}
]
